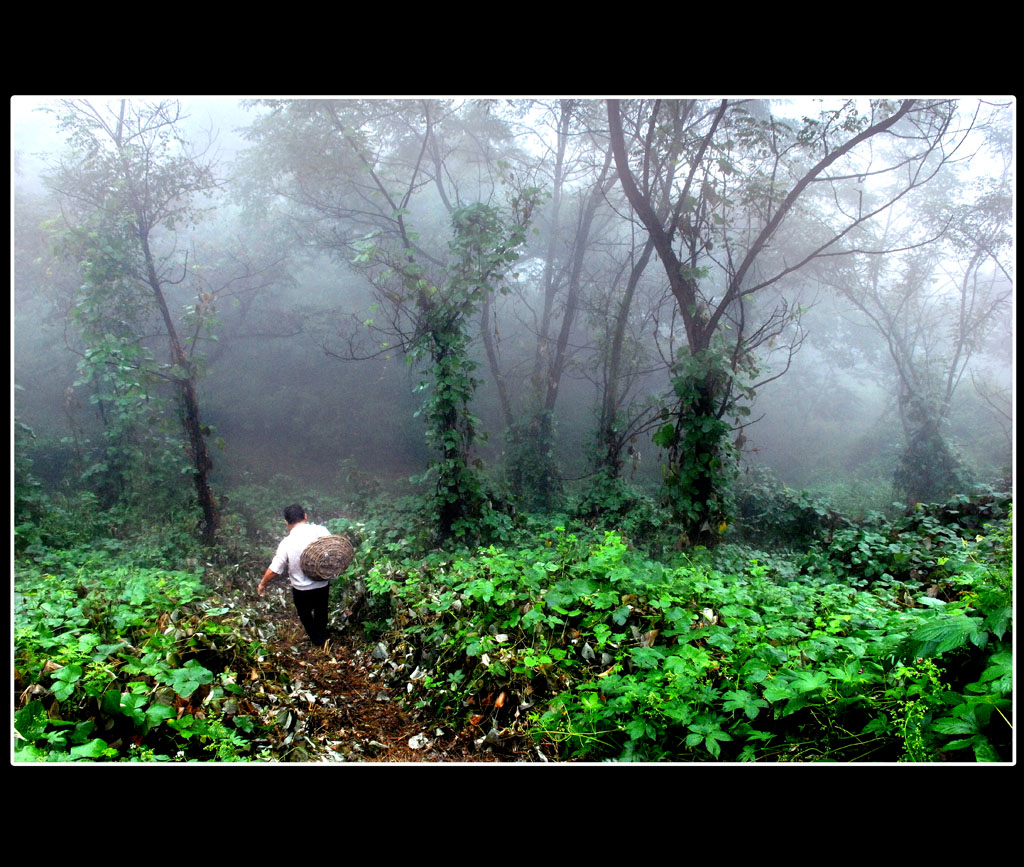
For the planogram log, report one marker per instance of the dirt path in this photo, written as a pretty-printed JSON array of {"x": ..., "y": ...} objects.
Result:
[
  {"x": 345, "y": 715},
  {"x": 335, "y": 706}
]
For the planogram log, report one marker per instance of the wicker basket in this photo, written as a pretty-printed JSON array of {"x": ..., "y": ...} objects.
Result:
[{"x": 327, "y": 557}]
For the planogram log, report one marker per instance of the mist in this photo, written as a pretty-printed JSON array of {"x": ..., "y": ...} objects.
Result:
[
  {"x": 308, "y": 368},
  {"x": 627, "y": 430}
]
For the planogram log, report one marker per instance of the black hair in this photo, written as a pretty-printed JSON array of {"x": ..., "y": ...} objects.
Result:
[{"x": 294, "y": 513}]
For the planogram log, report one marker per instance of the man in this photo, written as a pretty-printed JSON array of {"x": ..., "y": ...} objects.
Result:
[{"x": 310, "y": 595}]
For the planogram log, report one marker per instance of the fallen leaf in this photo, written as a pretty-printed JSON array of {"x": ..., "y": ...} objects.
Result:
[{"x": 500, "y": 700}]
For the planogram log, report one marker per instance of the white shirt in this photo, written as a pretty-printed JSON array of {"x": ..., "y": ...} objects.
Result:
[{"x": 289, "y": 554}]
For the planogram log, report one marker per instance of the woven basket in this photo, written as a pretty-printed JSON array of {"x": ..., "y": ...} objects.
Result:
[{"x": 327, "y": 557}]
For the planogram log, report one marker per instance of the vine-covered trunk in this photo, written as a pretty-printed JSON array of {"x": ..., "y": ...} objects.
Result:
[
  {"x": 451, "y": 427},
  {"x": 700, "y": 460},
  {"x": 201, "y": 462},
  {"x": 530, "y": 462},
  {"x": 928, "y": 470}
]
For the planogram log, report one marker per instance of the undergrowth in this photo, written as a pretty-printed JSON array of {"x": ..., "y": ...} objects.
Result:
[
  {"x": 587, "y": 633},
  {"x": 120, "y": 658},
  {"x": 890, "y": 645}
]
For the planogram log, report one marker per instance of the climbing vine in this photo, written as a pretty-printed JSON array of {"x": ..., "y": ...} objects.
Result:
[
  {"x": 700, "y": 458},
  {"x": 485, "y": 243}
]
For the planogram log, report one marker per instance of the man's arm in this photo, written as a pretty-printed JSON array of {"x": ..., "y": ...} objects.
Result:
[{"x": 268, "y": 576}]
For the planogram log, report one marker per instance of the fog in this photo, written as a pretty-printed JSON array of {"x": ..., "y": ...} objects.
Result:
[{"x": 888, "y": 285}]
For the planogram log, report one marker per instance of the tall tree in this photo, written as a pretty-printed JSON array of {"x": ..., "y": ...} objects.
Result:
[
  {"x": 130, "y": 188},
  {"x": 619, "y": 422},
  {"x": 737, "y": 180},
  {"x": 576, "y": 172},
  {"x": 934, "y": 304},
  {"x": 369, "y": 179}
]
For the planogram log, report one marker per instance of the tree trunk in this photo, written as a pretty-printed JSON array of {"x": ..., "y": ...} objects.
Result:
[
  {"x": 609, "y": 443},
  {"x": 492, "y": 360},
  {"x": 201, "y": 462}
]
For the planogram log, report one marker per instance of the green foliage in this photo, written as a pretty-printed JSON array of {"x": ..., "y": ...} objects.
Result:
[
  {"x": 105, "y": 646},
  {"x": 611, "y": 501},
  {"x": 128, "y": 179},
  {"x": 929, "y": 470},
  {"x": 598, "y": 652},
  {"x": 485, "y": 243},
  {"x": 912, "y": 548},
  {"x": 701, "y": 460},
  {"x": 771, "y": 514},
  {"x": 29, "y": 499},
  {"x": 530, "y": 465},
  {"x": 124, "y": 381}
]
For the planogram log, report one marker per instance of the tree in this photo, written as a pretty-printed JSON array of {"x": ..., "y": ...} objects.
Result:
[
  {"x": 577, "y": 174},
  {"x": 129, "y": 189},
  {"x": 614, "y": 430},
  {"x": 933, "y": 304},
  {"x": 484, "y": 244},
  {"x": 751, "y": 201},
  {"x": 362, "y": 175}
]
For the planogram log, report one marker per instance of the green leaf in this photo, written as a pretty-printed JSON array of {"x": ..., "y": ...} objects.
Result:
[
  {"x": 776, "y": 691},
  {"x": 998, "y": 673},
  {"x": 795, "y": 704},
  {"x": 94, "y": 749},
  {"x": 30, "y": 721},
  {"x": 110, "y": 704},
  {"x": 755, "y": 670},
  {"x": 647, "y": 657},
  {"x": 946, "y": 632},
  {"x": 664, "y": 436},
  {"x": 24, "y": 752},
  {"x": 984, "y": 751},
  {"x": 132, "y": 706},
  {"x": 745, "y": 701},
  {"x": 157, "y": 712},
  {"x": 809, "y": 681},
  {"x": 636, "y": 729},
  {"x": 998, "y": 621},
  {"x": 950, "y": 726},
  {"x": 189, "y": 678},
  {"x": 711, "y": 742},
  {"x": 961, "y": 744},
  {"x": 65, "y": 680}
]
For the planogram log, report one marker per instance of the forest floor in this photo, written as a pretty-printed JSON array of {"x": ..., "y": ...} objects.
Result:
[{"x": 346, "y": 714}]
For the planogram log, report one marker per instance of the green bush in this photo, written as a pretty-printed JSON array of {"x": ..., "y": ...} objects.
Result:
[
  {"x": 769, "y": 513},
  {"x": 609, "y": 501},
  {"x": 597, "y": 652},
  {"x": 107, "y": 656}
]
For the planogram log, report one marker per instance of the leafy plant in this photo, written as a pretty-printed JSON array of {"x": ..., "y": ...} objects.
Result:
[
  {"x": 701, "y": 460},
  {"x": 102, "y": 646},
  {"x": 616, "y": 656}
]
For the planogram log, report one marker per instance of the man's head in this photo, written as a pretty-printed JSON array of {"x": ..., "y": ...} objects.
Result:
[{"x": 294, "y": 513}]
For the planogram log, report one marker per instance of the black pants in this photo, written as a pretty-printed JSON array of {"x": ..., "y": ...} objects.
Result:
[{"x": 312, "y": 608}]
